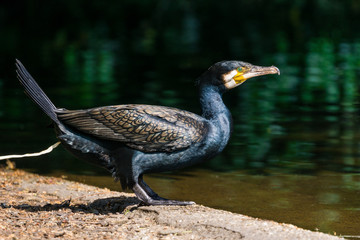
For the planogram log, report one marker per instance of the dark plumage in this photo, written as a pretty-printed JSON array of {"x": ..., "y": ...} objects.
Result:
[
  {"x": 131, "y": 140},
  {"x": 142, "y": 127}
]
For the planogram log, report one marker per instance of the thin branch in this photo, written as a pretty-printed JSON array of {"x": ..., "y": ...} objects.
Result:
[{"x": 49, "y": 149}]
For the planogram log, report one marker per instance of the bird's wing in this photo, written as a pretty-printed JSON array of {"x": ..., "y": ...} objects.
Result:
[{"x": 142, "y": 127}]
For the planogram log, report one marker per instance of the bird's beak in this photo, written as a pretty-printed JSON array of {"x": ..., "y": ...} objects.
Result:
[{"x": 254, "y": 71}]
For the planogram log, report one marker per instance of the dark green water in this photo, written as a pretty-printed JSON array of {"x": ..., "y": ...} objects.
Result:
[{"x": 294, "y": 155}]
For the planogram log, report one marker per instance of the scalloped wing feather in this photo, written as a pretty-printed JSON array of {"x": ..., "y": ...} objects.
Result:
[{"x": 143, "y": 127}]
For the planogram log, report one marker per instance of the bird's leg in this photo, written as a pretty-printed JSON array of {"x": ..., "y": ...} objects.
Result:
[
  {"x": 148, "y": 190},
  {"x": 149, "y": 197}
]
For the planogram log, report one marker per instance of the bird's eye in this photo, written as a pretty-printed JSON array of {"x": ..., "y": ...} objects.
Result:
[{"x": 239, "y": 69}]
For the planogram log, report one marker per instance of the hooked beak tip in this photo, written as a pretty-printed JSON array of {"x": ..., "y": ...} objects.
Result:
[{"x": 276, "y": 70}]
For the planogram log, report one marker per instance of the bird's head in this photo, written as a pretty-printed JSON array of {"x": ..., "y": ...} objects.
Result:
[{"x": 230, "y": 74}]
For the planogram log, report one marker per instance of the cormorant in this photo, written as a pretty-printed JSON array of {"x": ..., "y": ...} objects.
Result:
[{"x": 131, "y": 140}]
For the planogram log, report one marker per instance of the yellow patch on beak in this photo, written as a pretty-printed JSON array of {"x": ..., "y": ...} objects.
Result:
[{"x": 239, "y": 77}]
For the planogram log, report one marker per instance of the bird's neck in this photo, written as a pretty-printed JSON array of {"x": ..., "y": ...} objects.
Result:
[
  {"x": 214, "y": 110},
  {"x": 212, "y": 104}
]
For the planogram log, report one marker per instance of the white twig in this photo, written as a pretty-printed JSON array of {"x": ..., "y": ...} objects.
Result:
[{"x": 31, "y": 154}]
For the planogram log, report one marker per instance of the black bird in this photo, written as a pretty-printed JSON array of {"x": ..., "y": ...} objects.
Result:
[{"x": 132, "y": 140}]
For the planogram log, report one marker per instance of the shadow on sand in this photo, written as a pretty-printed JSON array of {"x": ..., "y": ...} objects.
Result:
[{"x": 99, "y": 206}]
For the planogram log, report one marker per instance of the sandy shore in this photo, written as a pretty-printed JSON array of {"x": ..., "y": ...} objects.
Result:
[{"x": 37, "y": 207}]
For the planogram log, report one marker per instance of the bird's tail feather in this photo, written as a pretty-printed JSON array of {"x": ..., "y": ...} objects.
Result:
[{"x": 34, "y": 91}]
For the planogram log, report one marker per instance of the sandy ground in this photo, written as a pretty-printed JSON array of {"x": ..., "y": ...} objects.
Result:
[{"x": 37, "y": 207}]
